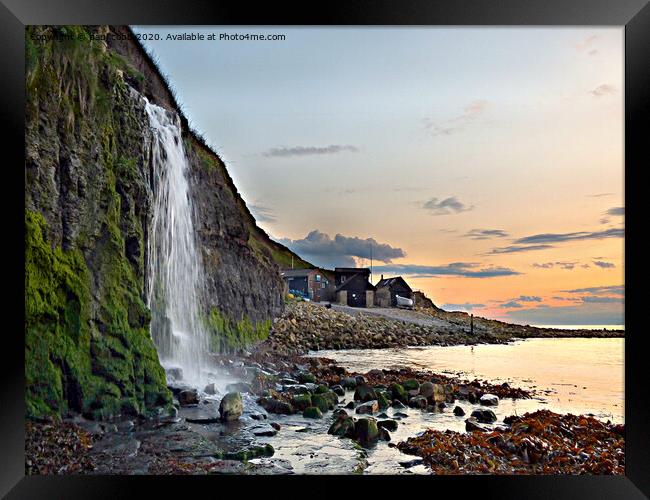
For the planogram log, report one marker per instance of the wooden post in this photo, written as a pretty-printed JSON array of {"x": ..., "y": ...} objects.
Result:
[{"x": 471, "y": 324}]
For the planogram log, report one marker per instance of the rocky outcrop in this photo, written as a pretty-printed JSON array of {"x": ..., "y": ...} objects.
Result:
[{"x": 88, "y": 211}]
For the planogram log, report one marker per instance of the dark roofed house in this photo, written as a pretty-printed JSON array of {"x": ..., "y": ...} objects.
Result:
[
  {"x": 388, "y": 289},
  {"x": 308, "y": 283},
  {"x": 353, "y": 287}
]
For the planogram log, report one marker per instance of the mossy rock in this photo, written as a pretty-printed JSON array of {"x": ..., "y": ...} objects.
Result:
[
  {"x": 398, "y": 392},
  {"x": 312, "y": 412},
  {"x": 301, "y": 401},
  {"x": 364, "y": 393},
  {"x": 383, "y": 400},
  {"x": 321, "y": 389},
  {"x": 322, "y": 402},
  {"x": 411, "y": 384},
  {"x": 306, "y": 378}
]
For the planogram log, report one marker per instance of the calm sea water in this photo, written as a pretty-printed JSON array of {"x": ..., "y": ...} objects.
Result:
[{"x": 579, "y": 376}]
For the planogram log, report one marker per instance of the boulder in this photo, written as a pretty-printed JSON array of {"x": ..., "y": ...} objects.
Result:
[
  {"x": 350, "y": 405},
  {"x": 338, "y": 390},
  {"x": 349, "y": 382},
  {"x": 298, "y": 389},
  {"x": 231, "y": 407},
  {"x": 383, "y": 400},
  {"x": 375, "y": 373},
  {"x": 273, "y": 405},
  {"x": 188, "y": 397},
  {"x": 439, "y": 395},
  {"x": 360, "y": 379},
  {"x": 384, "y": 435},
  {"x": 306, "y": 377},
  {"x": 398, "y": 393},
  {"x": 398, "y": 404},
  {"x": 368, "y": 407},
  {"x": 484, "y": 415},
  {"x": 411, "y": 384},
  {"x": 312, "y": 412},
  {"x": 364, "y": 393},
  {"x": 366, "y": 430},
  {"x": 321, "y": 389},
  {"x": 426, "y": 390},
  {"x": 322, "y": 402},
  {"x": 389, "y": 425},
  {"x": 418, "y": 402},
  {"x": 340, "y": 413},
  {"x": 459, "y": 412},
  {"x": 210, "y": 389},
  {"x": 471, "y": 424},
  {"x": 301, "y": 401},
  {"x": 343, "y": 426},
  {"x": 489, "y": 400}
]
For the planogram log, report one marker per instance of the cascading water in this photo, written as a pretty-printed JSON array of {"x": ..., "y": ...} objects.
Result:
[{"x": 175, "y": 271}]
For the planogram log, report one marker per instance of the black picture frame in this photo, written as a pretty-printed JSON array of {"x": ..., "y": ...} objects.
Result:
[{"x": 633, "y": 14}]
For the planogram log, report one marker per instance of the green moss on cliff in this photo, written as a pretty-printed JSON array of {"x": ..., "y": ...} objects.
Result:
[{"x": 227, "y": 335}]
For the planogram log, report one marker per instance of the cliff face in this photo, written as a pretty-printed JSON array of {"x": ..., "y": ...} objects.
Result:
[{"x": 88, "y": 210}]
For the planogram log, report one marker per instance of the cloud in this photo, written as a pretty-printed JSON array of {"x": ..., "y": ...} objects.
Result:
[
  {"x": 284, "y": 152},
  {"x": 603, "y": 264},
  {"x": 262, "y": 213},
  {"x": 599, "y": 290},
  {"x": 603, "y": 90},
  {"x": 464, "y": 269},
  {"x": 579, "y": 235},
  {"x": 467, "y": 307},
  {"x": 519, "y": 248},
  {"x": 599, "y": 195},
  {"x": 447, "y": 206},
  {"x": 321, "y": 249},
  {"x": 529, "y": 298},
  {"x": 447, "y": 127},
  {"x": 485, "y": 234},
  {"x": 511, "y": 304},
  {"x": 561, "y": 264},
  {"x": 614, "y": 211},
  {"x": 610, "y": 313},
  {"x": 601, "y": 300}
]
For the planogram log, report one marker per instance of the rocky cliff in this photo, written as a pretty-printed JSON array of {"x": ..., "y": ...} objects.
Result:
[{"x": 88, "y": 210}]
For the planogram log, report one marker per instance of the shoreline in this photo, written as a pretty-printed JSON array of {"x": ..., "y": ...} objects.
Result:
[{"x": 195, "y": 441}]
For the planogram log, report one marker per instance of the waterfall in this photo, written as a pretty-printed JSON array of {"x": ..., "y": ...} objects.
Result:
[{"x": 175, "y": 271}]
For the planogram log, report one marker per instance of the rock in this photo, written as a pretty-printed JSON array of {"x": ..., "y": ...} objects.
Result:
[
  {"x": 413, "y": 392},
  {"x": 321, "y": 389},
  {"x": 231, "y": 407},
  {"x": 484, "y": 415},
  {"x": 264, "y": 430},
  {"x": 175, "y": 373},
  {"x": 188, "y": 397},
  {"x": 276, "y": 426},
  {"x": 459, "y": 412},
  {"x": 400, "y": 414},
  {"x": 258, "y": 416},
  {"x": 340, "y": 412},
  {"x": 304, "y": 377},
  {"x": 312, "y": 412},
  {"x": 238, "y": 387},
  {"x": 343, "y": 427},
  {"x": 366, "y": 430},
  {"x": 364, "y": 393},
  {"x": 426, "y": 390},
  {"x": 489, "y": 400},
  {"x": 360, "y": 379},
  {"x": 288, "y": 381},
  {"x": 471, "y": 424},
  {"x": 412, "y": 463},
  {"x": 471, "y": 397},
  {"x": 321, "y": 402},
  {"x": 439, "y": 395},
  {"x": 398, "y": 393},
  {"x": 411, "y": 384},
  {"x": 418, "y": 402},
  {"x": 390, "y": 424},
  {"x": 350, "y": 405},
  {"x": 349, "y": 383},
  {"x": 375, "y": 373},
  {"x": 383, "y": 400},
  {"x": 398, "y": 404},
  {"x": 210, "y": 389},
  {"x": 273, "y": 405},
  {"x": 298, "y": 389},
  {"x": 384, "y": 435},
  {"x": 368, "y": 407},
  {"x": 338, "y": 390},
  {"x": 441, "y": 406},
  {"x": 301, "y": 401}
]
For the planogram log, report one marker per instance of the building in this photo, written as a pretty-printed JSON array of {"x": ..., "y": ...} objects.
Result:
[
  {"x": 388, "y": 289},
  {"x": 307, "y": 283},
  {"x": 353, "y": 287}
]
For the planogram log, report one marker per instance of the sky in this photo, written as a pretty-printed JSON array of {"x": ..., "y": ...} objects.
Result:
[{"x": 485, "y": 165}]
